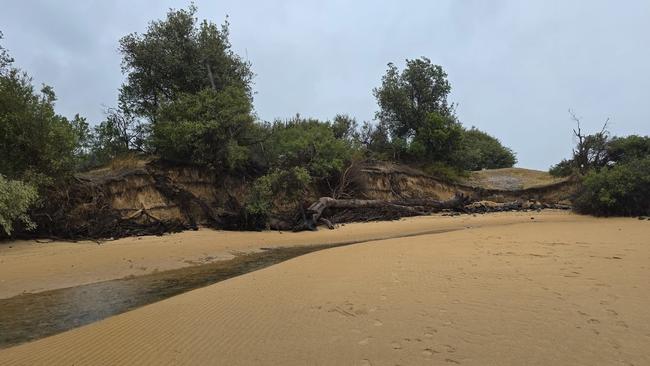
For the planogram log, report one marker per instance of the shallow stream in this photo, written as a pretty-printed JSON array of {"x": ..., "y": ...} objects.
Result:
[{"x": 32, "y": 316}]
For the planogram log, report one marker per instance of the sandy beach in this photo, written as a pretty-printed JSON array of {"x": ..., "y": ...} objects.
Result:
[
  {"x": 31, "y": 267},
  {"x": 503, "y": 289}
]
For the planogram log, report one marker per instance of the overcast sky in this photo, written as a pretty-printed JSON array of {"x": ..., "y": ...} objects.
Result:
[{"x": 515, "y": 67}]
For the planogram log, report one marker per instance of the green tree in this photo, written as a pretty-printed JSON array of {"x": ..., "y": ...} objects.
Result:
[
  {"x": 345, "y": 127},
  {"x": 562, "y": 169},
  {"x": 178, "y": 56},
  {"x": 211, "y": 128},
  {"x": 436, "y": 139},
  {"x": 36, "y": 143},
  {"x": 589, "y": 153},
  {"x": 415, "y": 113},
  {"x": 300, "y": 155},
  {"x": 375, "y": 140},
  {"x": 481, "y": 151},
  {"x": 406, "y": 99},
  {"x": 37, "y": 146}
]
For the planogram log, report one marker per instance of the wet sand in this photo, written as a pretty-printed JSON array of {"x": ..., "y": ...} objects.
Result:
[{"x": 560, "y": 289}]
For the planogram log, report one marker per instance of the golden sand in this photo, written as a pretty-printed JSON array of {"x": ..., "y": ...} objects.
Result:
[
  {"x": 28, "y": 266},
  {"x": 557, "y": 290}
]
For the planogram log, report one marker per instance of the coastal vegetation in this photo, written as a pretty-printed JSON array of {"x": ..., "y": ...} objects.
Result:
[
  {"x": 188, "y": 99},
  {"x": 614, "y": 173}
]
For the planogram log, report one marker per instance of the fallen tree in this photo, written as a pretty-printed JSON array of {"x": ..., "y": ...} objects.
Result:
[
  {"x": 363, "y": 209},
  {"x": 156, "y": 198},
  {"x": 359, "y": 210}
]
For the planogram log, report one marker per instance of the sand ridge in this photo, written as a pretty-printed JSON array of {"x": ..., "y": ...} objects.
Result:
[{"x": 566, "y": 292}]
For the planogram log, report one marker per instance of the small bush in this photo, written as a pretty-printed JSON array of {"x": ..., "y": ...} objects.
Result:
[
  {"x": 16, "y": 198},
  {"x": 278, "y": 186},
  {"x": 309, "y": 144},
  {"x": 479, "y": 150},
  {"x": 623, "y": 189},
  {"x": 562, "y": 169}
]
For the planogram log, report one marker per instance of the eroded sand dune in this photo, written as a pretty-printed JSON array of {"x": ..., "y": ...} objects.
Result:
[{"x": 568, "y": 291}]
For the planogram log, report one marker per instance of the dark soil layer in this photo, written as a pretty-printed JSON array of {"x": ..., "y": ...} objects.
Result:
[{"x": 155, "y": 198}]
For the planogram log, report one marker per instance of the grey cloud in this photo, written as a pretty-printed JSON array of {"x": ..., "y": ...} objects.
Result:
[{"x": 515, "y": 66}]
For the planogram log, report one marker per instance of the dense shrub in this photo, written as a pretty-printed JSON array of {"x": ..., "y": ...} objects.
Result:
[
  {"x": 306, "y": 143},
  {"x": 287, "y": 186},
  {"x": 300, "y": 154},
  {"x": 622, "y": 189},
  {"x": 211, "y": 128},
  {"x": 562, "y": 169},
  {"x": 16, "y": 198},
  {"x": 479, "y": 150},
  {"x": 436, "y": 139},
  {"x": 628, "y": 148},
  {"x": 119, "y": 134},
  {"x": 36, "y": 143}
]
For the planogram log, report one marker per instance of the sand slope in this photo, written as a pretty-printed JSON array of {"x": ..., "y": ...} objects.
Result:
[{"x": 538, "y": 293}]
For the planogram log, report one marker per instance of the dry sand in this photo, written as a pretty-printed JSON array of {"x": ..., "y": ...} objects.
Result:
[
  {"x": 28, "y": 266},
  {"x": 557, "y": 290}
]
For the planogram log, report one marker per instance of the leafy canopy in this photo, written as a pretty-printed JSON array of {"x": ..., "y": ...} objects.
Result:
[
  {"x": 300, "y": 154},
  {"x": 37, "y": 146},
  {"x": 308, "y": 143},
  {"x": 406, "y": 99},
  {"x": 621, "y": 189},
  {"x": 177, "y": 56},
  {"x": 416, "y": 123},
  {"x": 599, "y": 151},
  {"x": 35, "y": 143},
  {"x": 437, "y": 138},
  {"x": 481, "y": 151},
  {"x": 119, "y": 134},
  {"x": 211, "y": 128}
]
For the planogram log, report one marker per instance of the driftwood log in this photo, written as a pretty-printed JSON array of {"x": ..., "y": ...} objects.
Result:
[{"x": 407, "y": 207}]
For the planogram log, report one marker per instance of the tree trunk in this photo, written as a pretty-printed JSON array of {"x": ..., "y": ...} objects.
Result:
[{"x": 410, "y": 207}]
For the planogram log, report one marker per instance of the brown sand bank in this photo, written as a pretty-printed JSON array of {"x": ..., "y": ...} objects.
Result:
[
  {"x": 557, "y": 290},
  {"x": 28, "y": 266}
]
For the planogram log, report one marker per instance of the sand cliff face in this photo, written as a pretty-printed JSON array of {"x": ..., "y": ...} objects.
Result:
[
  {"x": 391, "y": 181},
  {"x": 152, "y": 198}
]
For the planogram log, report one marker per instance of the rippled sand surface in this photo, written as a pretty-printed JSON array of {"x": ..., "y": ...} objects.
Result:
[{"x": 558, "y": 289}]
